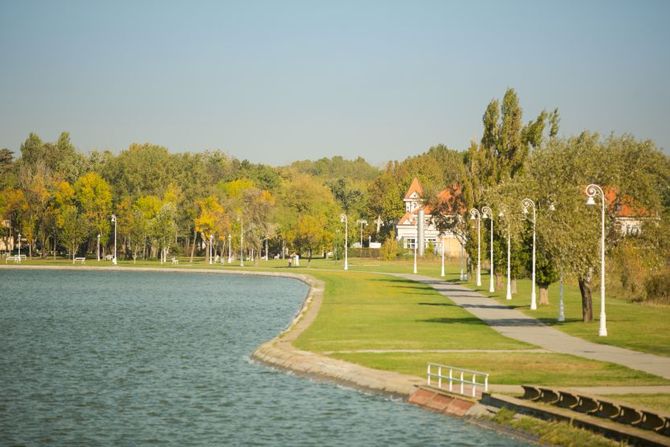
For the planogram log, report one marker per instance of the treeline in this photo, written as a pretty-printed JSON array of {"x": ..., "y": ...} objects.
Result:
[{"x": 169, "y": 204}]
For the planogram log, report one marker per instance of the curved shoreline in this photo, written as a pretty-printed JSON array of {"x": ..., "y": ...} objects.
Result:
[{"x": 279, "y": 351}]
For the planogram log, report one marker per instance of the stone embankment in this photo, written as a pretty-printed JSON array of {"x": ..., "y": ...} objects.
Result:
[{"x": 280, "y": 352}]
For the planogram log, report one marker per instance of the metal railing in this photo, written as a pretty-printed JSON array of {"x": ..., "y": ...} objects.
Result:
[{"x": 459, "y": 376}]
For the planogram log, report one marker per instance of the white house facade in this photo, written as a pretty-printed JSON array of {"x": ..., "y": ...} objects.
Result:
[{"x": 416, "y": 227}]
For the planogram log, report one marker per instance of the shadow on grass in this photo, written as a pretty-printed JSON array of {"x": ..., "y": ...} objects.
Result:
[
  {"x": 507, "y": 322},
  {"x": 439, "y": 304}
]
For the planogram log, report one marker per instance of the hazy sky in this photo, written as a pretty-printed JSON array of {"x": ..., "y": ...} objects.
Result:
[{"x": 276, "y": 81}]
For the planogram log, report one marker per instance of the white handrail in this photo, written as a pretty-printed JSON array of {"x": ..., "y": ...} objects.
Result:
[{"x": 459, "y": 377}]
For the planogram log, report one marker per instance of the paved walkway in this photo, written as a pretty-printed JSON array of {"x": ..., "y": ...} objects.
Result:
[{"x": 514, "y": 324}]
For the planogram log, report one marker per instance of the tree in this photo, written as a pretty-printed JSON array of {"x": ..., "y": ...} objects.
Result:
[
  {"x": 212, "y": 219},
  {"x": 95, "y": 199},
  {"x": 309, "y": 214},
  {"x": 71, "y": 223}
]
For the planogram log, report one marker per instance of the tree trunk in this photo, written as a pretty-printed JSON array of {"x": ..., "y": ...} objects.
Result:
[
  {"x": 544, "y": 295},
  {"x": 587, "y": 302},
  {"x": 500, "y": 281},
  {"x": 195, "y": 237}
]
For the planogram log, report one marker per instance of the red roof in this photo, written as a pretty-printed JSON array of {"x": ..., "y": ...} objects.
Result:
[
  {"x": 624, "y": 206},
  {"x": 415, "y": 187}
]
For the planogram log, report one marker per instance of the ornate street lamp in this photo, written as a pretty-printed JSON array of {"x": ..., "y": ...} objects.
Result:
[
  {"x": 528, "y": 203},
  {"x": 19, "y": 247},
  {"x": 593, "y": 191},
  {"x": 98, "y": 248},
  {"x": 476, "y": 215},
  {"x": 344, "y": 219},
  {"x": 508, "y": 295},
  {"x": 487, "y": 213}
]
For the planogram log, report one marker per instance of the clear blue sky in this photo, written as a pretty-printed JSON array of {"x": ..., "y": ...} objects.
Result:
[{"x": 276, "y": 81}]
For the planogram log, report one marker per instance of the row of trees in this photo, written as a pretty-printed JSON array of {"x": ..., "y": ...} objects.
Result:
[
  {"x": 60, "y": 200},
  {"x": 514, "y": 161}
]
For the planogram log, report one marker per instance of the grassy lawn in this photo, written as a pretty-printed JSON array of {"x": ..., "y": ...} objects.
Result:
[
  {"x": 506, "y": 368},
  {"x": 641, "y": 327},
  {"x": 371, "y": 311}
]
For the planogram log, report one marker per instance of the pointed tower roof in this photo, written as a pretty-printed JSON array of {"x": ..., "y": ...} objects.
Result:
[{"x": 415, "y": 187}]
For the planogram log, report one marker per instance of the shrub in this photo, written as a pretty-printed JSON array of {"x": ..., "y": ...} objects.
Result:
[
  {"x": 389, "y": 250},
  {"x": 657, "y": 287}
]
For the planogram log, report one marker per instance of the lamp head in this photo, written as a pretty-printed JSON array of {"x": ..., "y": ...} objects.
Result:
[
  {"x": 590, "y": 201},
  {"x": 552, "y": 207}
]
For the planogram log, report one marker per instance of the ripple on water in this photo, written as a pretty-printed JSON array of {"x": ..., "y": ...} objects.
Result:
[{"x": 142, "y": 358}]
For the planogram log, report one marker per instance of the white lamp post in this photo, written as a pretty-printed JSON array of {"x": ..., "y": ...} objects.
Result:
[
  {"x": 475, "y": 214},
  {"x": 528, "y": 203},
  {"x": 593, "y": 191},
  {"x": 416, "y": 244},
  {"x": 442, "y": 242},
  {"x": 487, "y": 213},
  {"x": 230, "y": 248},
  {"x": 19, "y": 247},
  {"x": 508, "y": 295},
  {"x": 362, "y": 222},
  {"x": 241, "y": 242},
  {"x": 345, "y": 220},
  {"x": 561, "y": 306},
  {"x": 211, "y": 251},
  {"x": 114, "y": 222},
  {"x": 98, "y": 248}
]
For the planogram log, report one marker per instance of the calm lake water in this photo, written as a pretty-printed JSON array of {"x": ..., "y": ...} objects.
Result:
[{"x": 137, "y": 358}]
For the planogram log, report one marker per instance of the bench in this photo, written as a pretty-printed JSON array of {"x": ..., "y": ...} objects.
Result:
[
  {"x": 82, "y": 260},
  {"x": 629, "y": 415},
  {"x": 607, "y": 410},
  {"x": 567, "y": 399},
  {"x": 548, "y": 396},
  {"x": 530, "y": 392},
  {"x": 15, "y": 258},
  {"x": 175, "y": 260},
  {"x": 586, "y": 405},
  {"x": 651, "y": 421}
]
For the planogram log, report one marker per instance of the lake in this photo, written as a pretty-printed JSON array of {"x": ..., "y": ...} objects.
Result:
[{"x": 157, "y": 358}]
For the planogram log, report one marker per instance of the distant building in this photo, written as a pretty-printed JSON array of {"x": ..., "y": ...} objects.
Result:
[
  {"x": 628, "y": 215},
  {"x": 6, "y": 242},
  {"x": 416, "y": 226}
]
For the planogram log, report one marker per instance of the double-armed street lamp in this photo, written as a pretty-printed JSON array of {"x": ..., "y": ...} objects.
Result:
[
  {"x": 527, "y": 204},
  {"x": 476, "y": 215},
  {"x": 114, "y": 222},
  {"x": 362, "y": 222},
  {"x": 344, "y": 219},
  {"x": 593, "y": 191}
]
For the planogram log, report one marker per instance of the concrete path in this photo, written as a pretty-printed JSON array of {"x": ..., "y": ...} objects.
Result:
[{"x": 514, "y": 324}]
